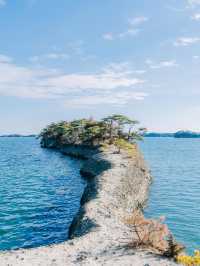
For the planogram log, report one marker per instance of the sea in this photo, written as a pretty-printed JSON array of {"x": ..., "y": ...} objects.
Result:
[
  {"x": 40, "y": 193},
  {"x": 175, "y": 191},
  {"x": 40, "y": 190}
]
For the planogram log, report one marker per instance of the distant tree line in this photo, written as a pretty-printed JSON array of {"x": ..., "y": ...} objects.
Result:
[
  {"x": 178, "y": 134},
  {"x": 186, "y": 134},
  {"x": 110, "y": 130}
]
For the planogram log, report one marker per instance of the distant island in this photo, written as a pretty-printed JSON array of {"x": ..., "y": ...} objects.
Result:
[
  {"x": 160, "y": 135},
  {"x": 178, "y": 134},
  {"x": 187, "y": 134},
  {"x": 18, "y": 136}
]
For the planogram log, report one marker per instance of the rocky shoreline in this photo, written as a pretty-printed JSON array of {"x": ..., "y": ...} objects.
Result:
[{"x": 116, "y": 184}]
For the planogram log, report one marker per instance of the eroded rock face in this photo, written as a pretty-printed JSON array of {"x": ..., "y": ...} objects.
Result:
[
  {"x": 48, "y": 143},
  {"x": 116, "y": 184},
  {"x": 115, "y": 181}
]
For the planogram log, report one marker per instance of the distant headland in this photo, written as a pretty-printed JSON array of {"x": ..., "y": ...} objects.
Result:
[
  {"x": 178, "y": 134},
  {"x": 18, "y": 136}
]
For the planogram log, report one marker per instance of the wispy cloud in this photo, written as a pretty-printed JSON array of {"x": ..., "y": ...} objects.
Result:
[
  {"x": 196, "y": 57},
  {"x": 186, "y": 41},
  {"x": 57, "y": 56},
  {"x": 132, "y": 30},
  {"x": 161, "y": 64},
  {"x": 40, "y": 83},
  {"x": 129, "y": 32},
  {"x": 115, "y": 99},
  {"x": 5, "y": 59},
  {"x": 109, "y": 36},
  {"x": 196, "y": 17},
  {"x": 50, "y": 56},
  {"x": 193, "y": 2},
  {"x": 175, "y": 9},
  {"x": 138, "y": 20},
  {"x": 123, "y": 69}
]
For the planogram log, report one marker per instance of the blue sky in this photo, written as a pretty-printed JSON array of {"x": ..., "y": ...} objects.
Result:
[{"x": 72, "y": 59}]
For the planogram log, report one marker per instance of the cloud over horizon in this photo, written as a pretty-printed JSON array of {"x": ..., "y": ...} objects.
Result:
[
  {"x": 42, "y": 83},
  {"x": 131, "y": 57}
]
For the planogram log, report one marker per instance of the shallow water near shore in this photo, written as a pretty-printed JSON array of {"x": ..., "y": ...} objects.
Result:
[
  {"x": 175, "y": 192},
  {"x": 39, "y": 194}
]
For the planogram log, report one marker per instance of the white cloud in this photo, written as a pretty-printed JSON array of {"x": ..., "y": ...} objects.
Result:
[
  {"x": 28, "y": 82},
  {"x": 101, "y": 81},
  {"x": 50, "y": 56},
  {"x": 2, "y": 3},
  {"x": 193, "y": 2},
  {"x": 116, "y": 99},
  {"x": 161, "y": 64},
  {"x": 122, "y": 69},
  {"x": 139, "y": 71},
  {"x": 108, "y": 36},
  {"x": 186, "y": 41},
  {"x": 129, "y": 32},
  {"x": 196, "y": 57},
  {"x": 132, "y": 29},
  {"x": 121, "y": 35},
  {"x": 5, "y": 59},
  {"x": 196, "y": 17},
  {"x": 57, "y": 56},
  {"x": 138, "y": 20}
]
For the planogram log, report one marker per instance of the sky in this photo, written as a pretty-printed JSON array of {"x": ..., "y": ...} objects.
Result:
[{"x": 63, "y": 60}]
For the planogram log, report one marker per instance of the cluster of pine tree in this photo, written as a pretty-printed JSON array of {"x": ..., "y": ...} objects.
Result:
[{"x": 91, "y": 132}]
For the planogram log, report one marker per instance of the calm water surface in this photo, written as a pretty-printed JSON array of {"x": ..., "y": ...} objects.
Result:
[
  {"x": 40, "y": 190},
  {"x": 175, "y": 192},
  {"x": 39, "y": 194}
]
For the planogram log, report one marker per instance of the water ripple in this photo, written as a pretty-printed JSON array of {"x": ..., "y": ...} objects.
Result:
[
  {"x": 39, "y": 194},
  {"x": 175, "y": 192}
]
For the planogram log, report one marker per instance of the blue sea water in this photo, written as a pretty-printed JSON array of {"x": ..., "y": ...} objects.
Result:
[
  {"x": 175, "y": 192},
  {"x": 40, "y": 193},
  {"x": 40, "y": 190}
]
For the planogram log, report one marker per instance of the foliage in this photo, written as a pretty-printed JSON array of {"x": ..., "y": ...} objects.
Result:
[
  {"x": 189, "y": 260},
  {"x": 150, "y": 233},
  {"x": 109, "y": 130},
  {"x": 174, "y": 248},
  {"x": 122, "y": 144}
]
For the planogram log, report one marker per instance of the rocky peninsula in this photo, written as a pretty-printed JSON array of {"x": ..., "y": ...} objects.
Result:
[{"x": 118, "y": 182}]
